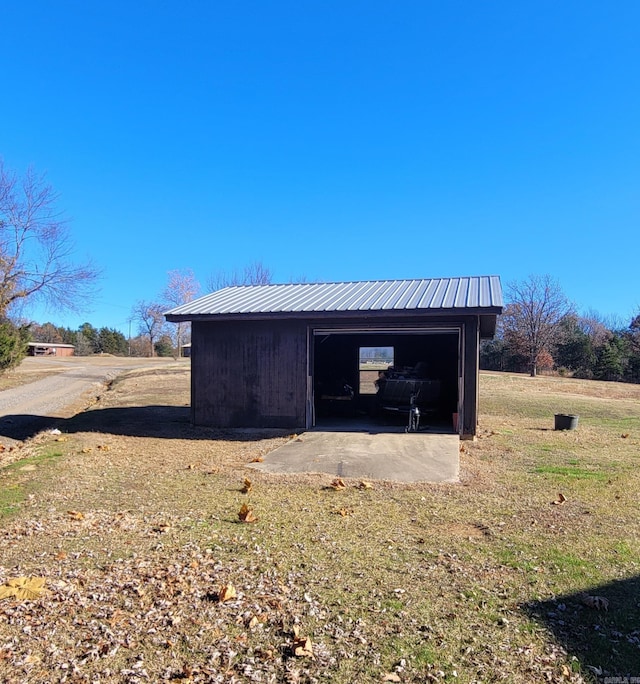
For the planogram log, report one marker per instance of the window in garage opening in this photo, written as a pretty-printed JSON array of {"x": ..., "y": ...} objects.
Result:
[{"x": 373, "y": 361}]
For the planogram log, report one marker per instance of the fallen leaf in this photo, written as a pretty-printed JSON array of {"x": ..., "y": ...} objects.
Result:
[
  {"x": 62, "y": 439},
  {"x": 302, "y": 647},
  {"x": 227, "y": 593},
  {"x": 345, "y": 512},
  {"x": 253, "y": 622},
  {"x": 75, "y": 515},
  {"x": 338, "y": 483},
  {"x": 566, "y": 672},
  {"x": 161, "y": 528},
  {"x": 103, "y": 447},
  {"x": 391, "y": 677},
  {"x": 61, "y": 555},
  {"x": 560, "y": 500},
  {"x": 247, "y": 486},
  {"x": 246, "y": 515},
  {"x": 597, "y": 602},
  {"x": 625, "y": 435},
  {"x": 257, "y": 459},
  {"x": 23, "y": 588},
  {"x": 365, "y": 485}
]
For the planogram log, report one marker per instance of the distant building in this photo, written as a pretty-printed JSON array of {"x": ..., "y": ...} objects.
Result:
[{"x": 50, "y": 349}]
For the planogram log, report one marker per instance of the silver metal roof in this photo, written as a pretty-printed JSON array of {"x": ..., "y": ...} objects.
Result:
[{"x": 477, "y": 292}]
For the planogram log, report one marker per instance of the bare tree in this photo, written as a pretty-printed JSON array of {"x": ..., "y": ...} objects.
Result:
[
  {"x": 533, "y": 315},
  {"x": 47, "y": 332},
  {"x": 36, "y": 252},
  {"x": 255, "y": 273},
  {"x": 182, "y": 287},
  {"x": 150, "y": 319},
  {"x": 597, "y": 327}
]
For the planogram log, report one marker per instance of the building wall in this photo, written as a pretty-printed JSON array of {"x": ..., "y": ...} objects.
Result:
[
  {"x": 255, "y": 373},
  {"x": 470, "y": 379},
  {"x": 249, "y": 374}
]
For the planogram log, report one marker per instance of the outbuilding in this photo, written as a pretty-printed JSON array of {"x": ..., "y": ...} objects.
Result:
[
  {"x": 50, "y": 349},
  {"x": 293, "y": 355}
]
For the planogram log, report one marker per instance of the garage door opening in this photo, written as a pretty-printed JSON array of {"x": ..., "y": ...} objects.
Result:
[{"x": 366, "y": 379}]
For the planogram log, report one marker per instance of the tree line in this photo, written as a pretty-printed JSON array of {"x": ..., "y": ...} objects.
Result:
[
  {"x": 87, "y": 339},
  {"x": 540, "y": 330}
]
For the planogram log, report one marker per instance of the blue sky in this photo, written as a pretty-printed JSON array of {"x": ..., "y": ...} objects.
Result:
[{"x": 333, "y": 140}]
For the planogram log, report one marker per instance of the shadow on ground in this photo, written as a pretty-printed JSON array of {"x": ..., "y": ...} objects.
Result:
[
  {"x": 604, "y": 637},
  {"x": 172, "y": 422},
  {"x": 164, "y": 422}
]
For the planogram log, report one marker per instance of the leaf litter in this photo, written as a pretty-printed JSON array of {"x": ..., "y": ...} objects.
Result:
[{"x": 135, "y": 593}]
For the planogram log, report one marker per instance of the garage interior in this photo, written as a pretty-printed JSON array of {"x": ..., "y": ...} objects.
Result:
[{"x": 347, "y": 364}]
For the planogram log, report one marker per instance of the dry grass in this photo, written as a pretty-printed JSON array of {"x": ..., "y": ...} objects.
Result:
[
  {"x": 24, "y": 374},
  {"x": 135, "y": 526}
]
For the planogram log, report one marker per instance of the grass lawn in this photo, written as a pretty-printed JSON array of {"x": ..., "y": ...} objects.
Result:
[{"x": 526, "y": 571}]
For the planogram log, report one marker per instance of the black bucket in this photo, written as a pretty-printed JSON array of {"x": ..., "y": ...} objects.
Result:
[{"x": 566, "y": 422}]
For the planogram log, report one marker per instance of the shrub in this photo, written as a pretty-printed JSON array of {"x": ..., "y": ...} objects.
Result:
[{"x": 13, "y": 344}]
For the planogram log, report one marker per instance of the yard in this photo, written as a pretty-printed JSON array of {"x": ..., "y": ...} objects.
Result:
[{"x": 528, "y": 570}]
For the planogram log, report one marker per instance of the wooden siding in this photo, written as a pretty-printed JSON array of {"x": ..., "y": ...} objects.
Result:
[
  {"x": 249, "y": 374},
  {"x": 255, "y": 373},
  {"x": 470, "y": 378}
]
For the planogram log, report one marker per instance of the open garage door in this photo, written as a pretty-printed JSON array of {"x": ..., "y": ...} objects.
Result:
[{"x": 366, "y": 377}]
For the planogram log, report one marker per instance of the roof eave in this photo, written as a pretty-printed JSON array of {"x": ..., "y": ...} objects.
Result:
[{"x": 315, "y": 315}]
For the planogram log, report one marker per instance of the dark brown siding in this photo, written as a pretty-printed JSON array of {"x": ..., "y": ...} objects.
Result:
[
  {"x": 471, "y": 367},
  {"x": 249, "y": 374},
  {"x": 254, "y": 373}
]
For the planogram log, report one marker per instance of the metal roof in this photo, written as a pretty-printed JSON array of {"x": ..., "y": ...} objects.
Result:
[{"x": 434, "y": 294}]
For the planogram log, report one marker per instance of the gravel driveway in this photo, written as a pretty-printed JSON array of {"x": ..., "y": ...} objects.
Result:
[{"x": 30, "y": 407}]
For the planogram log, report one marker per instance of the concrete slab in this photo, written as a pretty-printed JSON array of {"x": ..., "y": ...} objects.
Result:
[{"x": 369, "y": 454}]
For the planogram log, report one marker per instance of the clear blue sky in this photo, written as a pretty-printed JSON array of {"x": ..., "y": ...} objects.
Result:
[{"x": 333, "y": 140}]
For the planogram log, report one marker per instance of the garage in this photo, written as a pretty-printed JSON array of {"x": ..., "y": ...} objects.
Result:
[{"x": 306, "y": 354}]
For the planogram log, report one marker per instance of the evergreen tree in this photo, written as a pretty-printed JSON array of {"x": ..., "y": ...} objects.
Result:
[
  {"x": 164, "y": 346},
  {"x": 612, "y": 359},
  {"x": 91, "y": 336},
  {"x": 111, "y": 341},
  {"x": 13, "y": 344},
  {"x": 575, "y": 350}
]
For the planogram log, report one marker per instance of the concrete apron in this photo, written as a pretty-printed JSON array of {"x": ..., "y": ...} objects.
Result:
[{"x": 412, "y": 457}]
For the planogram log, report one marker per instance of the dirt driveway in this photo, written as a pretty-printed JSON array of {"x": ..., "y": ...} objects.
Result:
[{"x": 59, "y": 388}]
